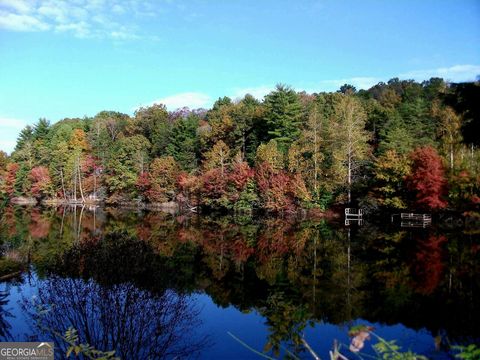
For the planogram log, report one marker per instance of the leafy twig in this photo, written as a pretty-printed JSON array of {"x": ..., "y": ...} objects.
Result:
[{"x": 249, "y": 347}]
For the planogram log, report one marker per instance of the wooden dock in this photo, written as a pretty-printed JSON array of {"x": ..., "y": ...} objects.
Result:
[
  {"x": 413, "y": 220},
  {"x": 353, "y": 215}
]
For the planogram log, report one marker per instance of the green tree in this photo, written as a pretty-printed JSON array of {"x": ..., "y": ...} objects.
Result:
[
  {"x": 106, "y": 128},
  {"x": 184, "y": 142},
  {"x": 25, "y": 136},
  {"x": 396, "y": 136},
  {"x": 284, "y": 115},
  {"x": 128, "y": 161},
  {"x": 245, "y": 114},
  {"x": 154, "y": 123},
  {"x": 312, "y": 145},
  {"x": 41, "y": 129}
]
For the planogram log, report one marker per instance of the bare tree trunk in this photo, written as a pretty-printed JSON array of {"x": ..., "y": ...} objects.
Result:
[
  {"x": 349, "y": 178},
  {"x": 80, "y": 223},
  {"x": 94, "y": 186},
  {"x": 63, "y": 186},
  {"x": 75, "y": 182},
  {"x": 61, "y": 226},
  {"x": 315, "y": 161},
  {"x": 80, "y": 181},
  {"x": 451, "y": 154},
  {"x": 315, "y": 266},
  {"x": 244, "y": 146},
  {"x": 221, "y": 161}
]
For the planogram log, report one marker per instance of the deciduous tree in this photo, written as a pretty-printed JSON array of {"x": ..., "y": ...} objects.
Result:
[
  {"x": 427, "y": 179},
  {"x": 349, "y": 140},
  {"x": 391, "y": 170},
  {"x": 162, "y": 179},
  {"x": 41, "y": 182},
  {"x": 218, "y": 157}
]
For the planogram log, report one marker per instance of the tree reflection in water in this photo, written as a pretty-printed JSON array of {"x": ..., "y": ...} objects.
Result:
[
  {"x": 5, "y": 313},
  {"x": 136, "y": 323},
  {"x": 291, "y": 273}
]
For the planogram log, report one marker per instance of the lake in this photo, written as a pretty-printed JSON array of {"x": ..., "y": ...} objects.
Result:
[{"x": 154, "y": 285}]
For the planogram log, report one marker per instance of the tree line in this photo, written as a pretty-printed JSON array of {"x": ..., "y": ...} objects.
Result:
[{"x": 399, "y": 144}]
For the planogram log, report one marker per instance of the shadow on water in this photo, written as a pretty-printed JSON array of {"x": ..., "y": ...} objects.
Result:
[
  {"x": 136, "y": 323},
  {"x": 124, "y": 280}
]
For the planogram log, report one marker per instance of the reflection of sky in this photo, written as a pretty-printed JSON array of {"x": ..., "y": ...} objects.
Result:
[
  {"x": 251, "y": 329},
  {"x": 20, "y": 330},
  {"x": 248, "y": 327}
]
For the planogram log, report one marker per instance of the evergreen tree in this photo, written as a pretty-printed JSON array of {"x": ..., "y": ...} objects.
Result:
[
  {"x": 154, "y": 123},
  {"x": 25, "y": 136},
  {"x": 283, "y": 115},
  {"x": 184, "y": 142},
  {"x": 41, "y": 129}
]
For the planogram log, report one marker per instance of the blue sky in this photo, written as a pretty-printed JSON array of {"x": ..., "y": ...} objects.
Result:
[{"x": 71, "y": 58}]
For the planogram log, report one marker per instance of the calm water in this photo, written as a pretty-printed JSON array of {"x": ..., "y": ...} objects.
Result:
[{"x": 150, "y": 285}]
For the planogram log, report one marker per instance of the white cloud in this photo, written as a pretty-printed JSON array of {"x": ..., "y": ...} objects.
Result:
[
  {"x": 20, "y": 6},
  {"x": 193, "y": 100},
  {"x": 9, "y": 129},
  {"x": 19, "y": 22},
  {"x": 257, "y": 92},
  {"x": 455, "y": 73},
  {"x": 11, "y": 123},
  {"x": 80, "y": 29},
  {"x": 7, "y": 145},
  {"x": 118, "y": 9},
  {"x": 57, "y": 13},
  {"x": 333, "y": 85},
  {"x": 82, "y": 18}
]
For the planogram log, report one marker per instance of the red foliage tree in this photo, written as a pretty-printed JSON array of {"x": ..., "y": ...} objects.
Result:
[
  {"x": 275, "y": 189},
  {"x": 238, "y": 178},
  {"x": 143, "y": 184},
  {"x": 41, "y": 182},
  {"x": 427, "y": 179},
  {"x": 240, "y": 175},
  {"x": 188, "y": 187},
  {"x": 91, "y": 171},
  {"x": 214, "y": 189},
  {"x": 9, "y": 181}
]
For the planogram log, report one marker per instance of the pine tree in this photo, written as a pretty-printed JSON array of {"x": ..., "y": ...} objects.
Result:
[{"x": 283, "y": 115}]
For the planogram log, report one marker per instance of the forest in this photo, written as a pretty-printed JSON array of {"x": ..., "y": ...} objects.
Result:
[{"x": 398, "y": 145}]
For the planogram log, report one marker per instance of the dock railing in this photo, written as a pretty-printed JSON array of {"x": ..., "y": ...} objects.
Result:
[
  {"x": 413, "y": 219},
  {"x": 353, "y": 215}
]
